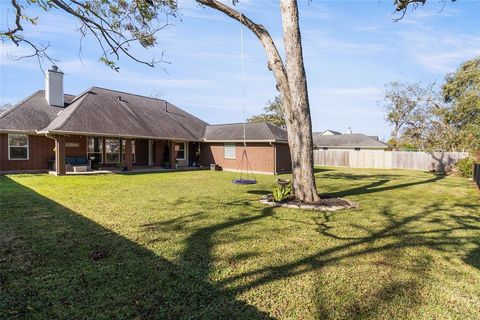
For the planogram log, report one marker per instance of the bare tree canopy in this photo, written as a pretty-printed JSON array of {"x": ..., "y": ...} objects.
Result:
[
  {"x": 405, "y": 106},
  {"x": 428, "y": 117}
]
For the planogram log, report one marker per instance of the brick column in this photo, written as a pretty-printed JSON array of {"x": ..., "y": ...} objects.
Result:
[
  {"x": 128, "y": 154},
  {"x": 60, "y": 155},
  {"x": 173, "y": 155}
]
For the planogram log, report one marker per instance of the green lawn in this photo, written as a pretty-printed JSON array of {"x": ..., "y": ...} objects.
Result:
[{"x": 191, "y": 245}]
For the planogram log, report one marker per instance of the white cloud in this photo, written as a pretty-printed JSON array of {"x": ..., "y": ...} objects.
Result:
[
  {"x": 358, "y": 91},
  {"x": 77, "y": 68},
  {"x": 440, "y": 51},
  {"x": 320, "y": 41}
]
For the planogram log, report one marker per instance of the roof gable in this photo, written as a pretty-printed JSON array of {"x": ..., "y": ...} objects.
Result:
[
  {"x": 32, "y": 113},
  {"x": 104, "y": 111}
]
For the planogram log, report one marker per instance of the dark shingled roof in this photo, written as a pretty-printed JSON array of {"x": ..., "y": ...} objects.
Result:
[
  {"x": 31, "y": 114},
  {"x": 347, "y": 140},
  {"x": 106, "y": 112},
  {"x": 109, "y": 112},
  {"x": 253, "y": 132}
]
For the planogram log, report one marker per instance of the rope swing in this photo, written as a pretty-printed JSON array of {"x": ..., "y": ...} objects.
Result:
[{"x": 244, "y": 173}]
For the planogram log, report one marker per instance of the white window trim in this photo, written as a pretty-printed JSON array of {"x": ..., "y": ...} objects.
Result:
[
  {"x": 228, "y": 144},
  {"x": 27, "y": 146},
  {"x": 184, "y": 151},
  {"x": 119, "y": 153}
]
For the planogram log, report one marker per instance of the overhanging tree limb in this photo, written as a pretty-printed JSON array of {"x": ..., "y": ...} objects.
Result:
[{"x": 275, "y": 62}]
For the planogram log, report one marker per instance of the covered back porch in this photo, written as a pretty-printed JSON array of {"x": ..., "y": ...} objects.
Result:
[{"x": 77, "y": 153}]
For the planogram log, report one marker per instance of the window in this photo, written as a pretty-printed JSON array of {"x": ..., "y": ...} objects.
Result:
[
  {"x": 95, "y": 149},
  {"x": 229, "y": 151},
  {"x": 18, "y": 147},
  {"x": 181, "y": 151},
  {"x": 112, "y": 150},
  {"x": 133, "y": 150}
]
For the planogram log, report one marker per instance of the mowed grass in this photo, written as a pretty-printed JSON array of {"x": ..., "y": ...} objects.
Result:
[{"x": 191, "y": 245}]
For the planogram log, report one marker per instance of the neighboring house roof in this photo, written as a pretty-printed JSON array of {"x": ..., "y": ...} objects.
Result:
[
  {"x": 109, "y": 112},
  {"x": 328, "y": 132},
  {"x": 31, "y": 114},
  {"x": 347, "y": 140},
  {"x": 253, "y": 132}
]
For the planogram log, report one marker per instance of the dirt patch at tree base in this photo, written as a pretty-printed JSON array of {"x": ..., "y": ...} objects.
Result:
[{"x": 325, "y": 204}]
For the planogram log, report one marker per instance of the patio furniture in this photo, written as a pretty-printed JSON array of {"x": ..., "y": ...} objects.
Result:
[{"x": 77, "y": 164}]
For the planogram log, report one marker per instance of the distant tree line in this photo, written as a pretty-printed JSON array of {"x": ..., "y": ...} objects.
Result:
[{"x": 431, "y": 117}]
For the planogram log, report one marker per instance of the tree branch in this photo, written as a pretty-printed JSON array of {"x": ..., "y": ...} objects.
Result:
[{"x": 275, "y": 63}]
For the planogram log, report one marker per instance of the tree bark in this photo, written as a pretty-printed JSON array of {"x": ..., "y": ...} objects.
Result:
[
  {"x": 299, "y": 122},
  {"x": 292, "y": 85}
]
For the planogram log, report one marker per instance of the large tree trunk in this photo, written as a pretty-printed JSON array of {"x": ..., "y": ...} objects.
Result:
[
  {"x": 292, "y": 85},
  {"x": 299, "y": 123}
]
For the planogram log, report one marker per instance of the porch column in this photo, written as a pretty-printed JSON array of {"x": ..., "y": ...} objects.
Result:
[
  {"x": 60, "y": 155},
  {"x": 150, "y": 152},
  {"x": 173, "y": 155},
  {"x": 128, "y": 154}
]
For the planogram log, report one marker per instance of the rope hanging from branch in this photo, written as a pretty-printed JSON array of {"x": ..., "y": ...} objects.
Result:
[{"x": 244, "y": 174}]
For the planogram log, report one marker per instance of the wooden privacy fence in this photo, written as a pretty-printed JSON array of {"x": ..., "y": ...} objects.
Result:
[
  {"x": 476, "y": 174},
  {"x": 380, "y": 159}
]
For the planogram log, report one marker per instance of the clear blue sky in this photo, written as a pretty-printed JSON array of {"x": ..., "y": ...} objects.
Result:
[{"x": 352, "y": 49}]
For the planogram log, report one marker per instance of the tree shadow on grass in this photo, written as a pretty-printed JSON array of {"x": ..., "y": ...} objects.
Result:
[
  {"x": 398, "y": 234},
  {"x": 473, "y": 257},
  {"x": 374, "y": 187},
  {"x": 54, "y": 263},
  {"x": 320, "y": 169},
  {"x": 350, "y": 176}
]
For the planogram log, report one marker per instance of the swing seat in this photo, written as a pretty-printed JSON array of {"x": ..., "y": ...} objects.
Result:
[
  {"x": 244, "y": 174},
  {"x": 244, "y": 181}
]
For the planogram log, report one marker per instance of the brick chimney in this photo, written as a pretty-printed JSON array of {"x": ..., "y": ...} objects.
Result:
[{"x": 54, "y": 87}]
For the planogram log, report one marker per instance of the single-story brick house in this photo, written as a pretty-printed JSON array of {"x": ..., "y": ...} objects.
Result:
[{"x": 50, "y": 130}]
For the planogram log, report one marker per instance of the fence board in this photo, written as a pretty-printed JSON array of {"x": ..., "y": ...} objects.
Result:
[
  {"x": 476, "y": 174},
  {"x": 380, "y": 159}
]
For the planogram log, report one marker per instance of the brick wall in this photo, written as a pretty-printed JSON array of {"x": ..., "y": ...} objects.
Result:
[
  {"x": 159, "y": 149},
  {"x": 80, "y": 150},
  {"x": 284, "y": 161},
  {"x": 260, "y": 155},
  {"x": 40, "y": 151},
  {"x": 141, "y": 152}
]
